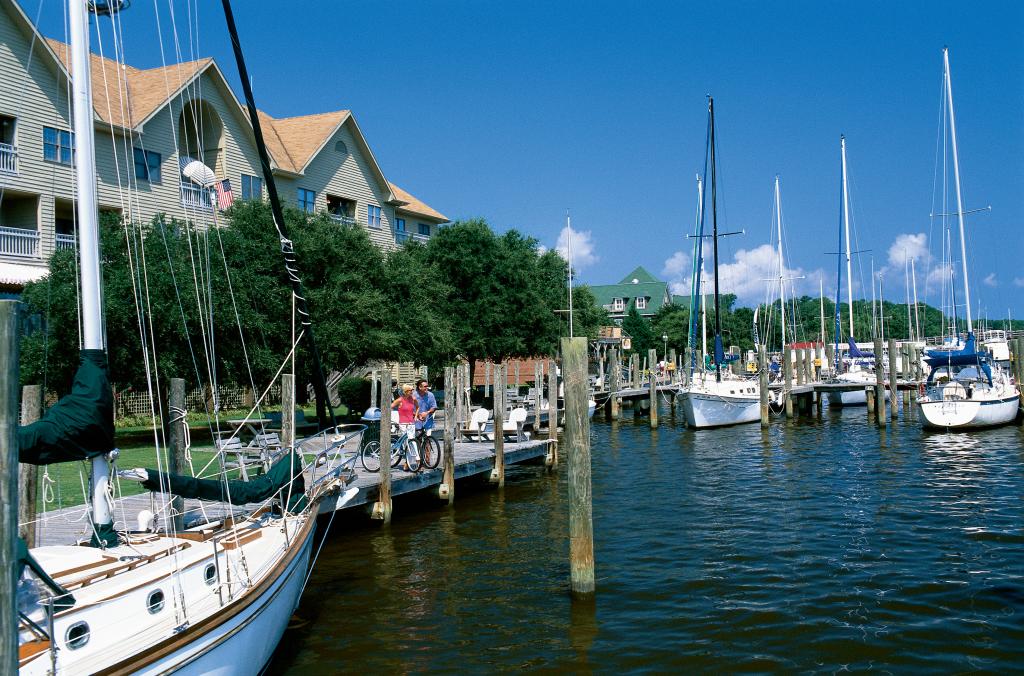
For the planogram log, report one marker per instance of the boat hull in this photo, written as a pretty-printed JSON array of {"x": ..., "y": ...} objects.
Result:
[
  {"x": 968, "y": 414},
  {"x": 712, "y": 410},
  {"x": 852, "y": 398}
]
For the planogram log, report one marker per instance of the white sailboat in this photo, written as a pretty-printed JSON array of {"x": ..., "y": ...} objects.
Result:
[
  {"x": 858, "y": 368},
  {"x": 214, "y": 598},
  {"x": 966, "y": 388},
  {"x": 716, "y": 398}
]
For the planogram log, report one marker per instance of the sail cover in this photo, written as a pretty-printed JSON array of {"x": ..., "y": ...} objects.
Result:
[
  {"x": 79, "y": 426},
  {"x": 857, "y": 353},
  {"x": 967, "y": 356},
  {"x": 284, "y": 471}
]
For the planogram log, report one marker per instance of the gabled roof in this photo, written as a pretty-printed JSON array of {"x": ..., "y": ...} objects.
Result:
[
  {"x": 305, "y": 135},
  {"x": 640, "y": 275},
  {"x": 415, "y": 206}
]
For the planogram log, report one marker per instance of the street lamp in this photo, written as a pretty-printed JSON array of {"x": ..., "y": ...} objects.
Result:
[{"x": 664, "y": 340}]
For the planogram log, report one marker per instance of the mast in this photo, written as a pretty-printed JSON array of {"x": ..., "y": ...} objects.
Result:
[
  {"x": 87, "y": 208},
  {"x": 782, "y": 281},
  {"x": 906, "y": 283},
  {"x": 703, "y": 317},
  {"x": 846, "y": 223},
  {"x": 917, "y": 317},
  {"x": 956, "y": 176},
  {"x": 821, "y": 301},
  {"x": 881, "y": 315},
  {"x": 714, "y": 234},
  {"x": 568, "y": 228},
  {"x": 698, "y": 271},
  {"x": 874, "y": 316}
]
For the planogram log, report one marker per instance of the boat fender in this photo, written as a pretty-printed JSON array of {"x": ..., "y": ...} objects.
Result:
[{"x": 920, "y": 389}]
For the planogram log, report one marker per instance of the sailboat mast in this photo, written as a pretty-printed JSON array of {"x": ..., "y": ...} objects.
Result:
[
  {"x": 714, "y": 234},
  {"x": 696, "y": 286},
  {"x": 88, "y": 226},
  {"x": 703, "y": 317},
  {"x": 568, "y": 233},
  {"x": 846, "y": 223},
  {"x": 874, "y": 316},
  {"x": 821, "y": 302},
  {"x": 782, "y": 279},
  {"x": 917, "y": 316},
  {"x": 956, "y": 176},
  {"x": 906, "y": 283}
]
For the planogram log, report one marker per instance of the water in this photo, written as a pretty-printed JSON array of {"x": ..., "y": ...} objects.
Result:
[{"x": 819, "y": 545}]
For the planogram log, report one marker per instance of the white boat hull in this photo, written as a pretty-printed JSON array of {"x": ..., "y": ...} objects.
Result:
[
  {"x": 712, "y": 410},
  {"x": 968, "y": 414}
]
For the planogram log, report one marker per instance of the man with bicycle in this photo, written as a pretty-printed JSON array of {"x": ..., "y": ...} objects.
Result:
[{"x": 427, "y": 405}]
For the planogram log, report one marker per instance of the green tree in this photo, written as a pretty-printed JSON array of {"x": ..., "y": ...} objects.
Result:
[{"x": 639, "y": 330}]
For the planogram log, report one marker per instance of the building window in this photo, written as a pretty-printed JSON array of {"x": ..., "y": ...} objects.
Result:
[
  {"x": 423, "y": 229},
  {"x": 341, "y": 147},
  {"x": 7, "y": 130},
  {"x": 641, "y": 303},
  {"x": 252, "y": 187},
  {"x": 399, "y": 225},
  {"x": 58, "y": 145},
  {"x": 618, "y": 305},
  {"x": 307, "y": 200},
  {"x": 147, "y": 165},
  {"x": 373, "y": 218}
]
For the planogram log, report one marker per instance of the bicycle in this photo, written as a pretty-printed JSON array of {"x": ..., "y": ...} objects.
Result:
[
  {"x": 430, "y": 449},
  {"x": 401, "y": 448}
]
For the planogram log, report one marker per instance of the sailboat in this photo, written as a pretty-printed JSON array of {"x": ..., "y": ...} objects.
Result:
[
  {"x": 715, "y": 398},
  {"x": 858, "y": 367},
  {"x": 966, "y": 388},
  {"x": 214, "y": 598}
]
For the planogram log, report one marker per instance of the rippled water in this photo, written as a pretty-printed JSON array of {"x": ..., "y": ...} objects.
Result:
[{"x": 818, "y": 545}]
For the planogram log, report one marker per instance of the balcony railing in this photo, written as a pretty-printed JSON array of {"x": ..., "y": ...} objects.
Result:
[
  {"x": 8, "y": 159},
  {"x": 344, "y": 220},
  {"x": 65, "y": 241},
  {"x": 194, "y": 197},
  {"x": 19, "y": 242},
  {"x": 401, "y": 237}
]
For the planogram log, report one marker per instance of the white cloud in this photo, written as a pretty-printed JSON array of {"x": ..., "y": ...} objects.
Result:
[
  {"x": 990, "y": 280},
  {"x": 677, "y": 269},
  {"x": 582, "y": 247},
  {"x": 908, "y": 246},
  {"x": 1018, "y": 281}
]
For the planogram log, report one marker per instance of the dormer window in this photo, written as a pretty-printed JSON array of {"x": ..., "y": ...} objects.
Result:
[
  {"x": 618, "y": 304},
  {"x": 641, "y": 302}
]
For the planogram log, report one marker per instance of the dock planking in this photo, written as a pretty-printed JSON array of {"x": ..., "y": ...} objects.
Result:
[{"x": 71, "y": 525}]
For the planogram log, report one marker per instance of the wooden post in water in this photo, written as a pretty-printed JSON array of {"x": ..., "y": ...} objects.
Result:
[
  {"x": 879, "y": 384},
  {"x": 652, "y": 359},
  {"x": 498, "y": 473},
  {"x": 894, "y": 400},
  {"x": 801, "y": 362},
  {"x": 177, "y": 461},
  {"x": 446, "y": 491},
  {"x": 830, "y": 357},
  {"x": 869, "y": 395},
  {"x": 287, "y": 410},
  {"x": 762, "y": 376},
  {"x": 787, "y": 379},
  {"x": 634, "y": 370},
  {"x": 613, "y": 389},
  {"x": 28, "y": 475},
  {"x": 552, "y": 457},
  {"x": 382, "y": 508},
  {"x": 577, "y": 440},
  {"x": 9, "y": 312},
  {"x": 538, "y": 393}
]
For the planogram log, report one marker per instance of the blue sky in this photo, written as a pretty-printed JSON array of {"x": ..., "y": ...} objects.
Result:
[{"x": 517, "y": 111}]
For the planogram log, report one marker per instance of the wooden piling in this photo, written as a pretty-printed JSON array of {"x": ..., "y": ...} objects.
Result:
[
  {"x": 894, "y": 403},
  {"x": 879, "y": 384},
  {"x": 905, "y": 372},
  {"x": 177, "y": 460},
  {"x": 613, "y": 394},
  {"x": 552, "y": 458},
  {"x": 287, "y": 410},
  {"x": 538, "y": 393},
  {"x": 487, "y": 380},
  {"x": 28, "y": 475},
  {"x": 446, "y": 491},
  {"x": 374, "y": 384},
  {"x": 498, "y": 473},
  {"x": 787, "y": 379},
  {"x": 869, "y": 395},
  {"x": 801, "y": 360},
  {"x": 652, "y": 359},
  {"x": 634, "y": 370},
  {"x": 9, "y": 312},
  {"x": 830, "y": 357},
  {"x": 762, "y": 375},
  {"x": 577, "y": 440},
  {"x": 382, "y": 508}
]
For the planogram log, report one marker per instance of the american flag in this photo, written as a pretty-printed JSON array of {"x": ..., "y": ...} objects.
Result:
[{"x": 224, "y": 194}]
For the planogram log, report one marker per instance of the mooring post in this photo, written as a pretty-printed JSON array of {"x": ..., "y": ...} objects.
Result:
[
  {"x": 634, "y": 369},
  {"x": 287, "y": 410},
  {"x": 614, "y": 402},
  {"x": 382, "y": 508},
  {"x": 869, "y": 395},
  {"x": 577, "y": 440},
  {"x": 652, "y": 359},
  {"x": 762, "y": 377},
  {"x": 830, "y": 358},
  {"x": 487, "y": 379},
  {"x": 28, "y": 475},
  {"x": 178, "y": 459},
  {"x": 552, "y": 456},
  {"x": 894, "y": 401},
  {"x": 800, "y": 380},
  {"x": 498, "y": 473},
  {"x": 879, "y": 384},
  {"x": 9, "y": 312},
  {"x": 446, "y": 491},
  {"x": 787, "y": 379},
  {"x": 374, "y": 377}
]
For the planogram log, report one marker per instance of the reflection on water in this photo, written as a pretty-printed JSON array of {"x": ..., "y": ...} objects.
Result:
[{"x": 819, "y": 544}]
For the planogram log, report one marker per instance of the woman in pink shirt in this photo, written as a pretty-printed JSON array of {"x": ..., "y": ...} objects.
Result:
[{"x": 407, "y": 407}]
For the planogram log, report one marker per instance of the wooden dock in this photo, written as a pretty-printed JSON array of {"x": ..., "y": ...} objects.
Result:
[{"x": 70, "y": 525}]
